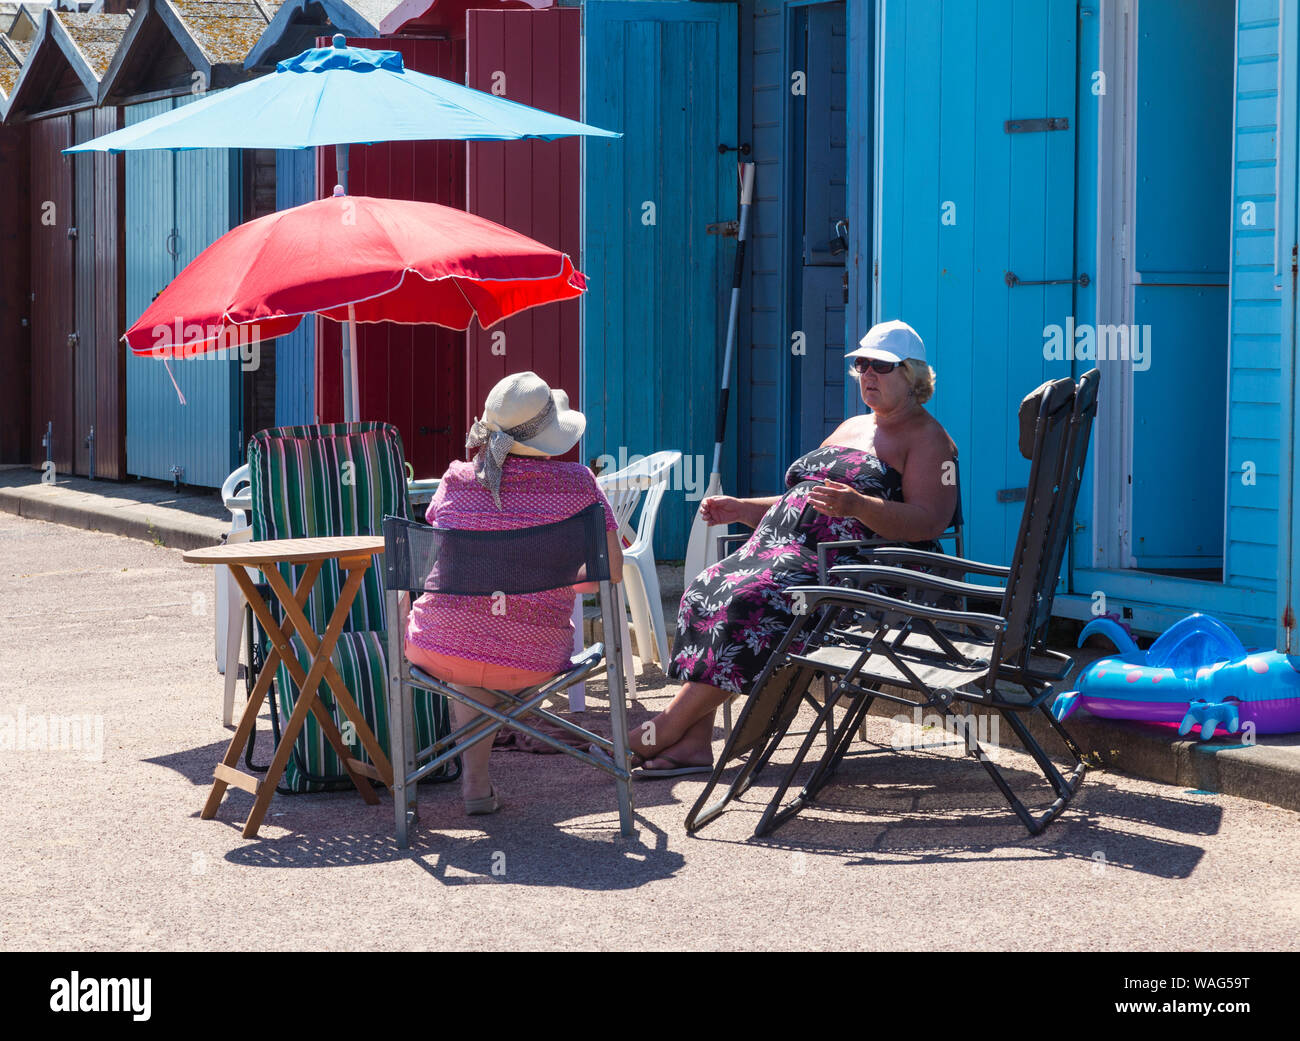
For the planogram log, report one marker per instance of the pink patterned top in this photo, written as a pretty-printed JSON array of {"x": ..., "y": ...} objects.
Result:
[{"x": 537, "y": 632}]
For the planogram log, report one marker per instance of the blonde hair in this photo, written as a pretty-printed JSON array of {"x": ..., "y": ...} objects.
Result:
[{"x": 920, "y": 377}]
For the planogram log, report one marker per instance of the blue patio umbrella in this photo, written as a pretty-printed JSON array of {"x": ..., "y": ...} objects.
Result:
[{"x": 339, "y": 96}]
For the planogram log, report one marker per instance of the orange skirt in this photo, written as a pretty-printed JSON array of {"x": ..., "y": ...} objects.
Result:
[{"x": 467, "y": 673}]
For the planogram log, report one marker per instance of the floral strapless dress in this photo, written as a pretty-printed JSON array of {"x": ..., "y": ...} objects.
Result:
[{"x": 734, "y": 614}]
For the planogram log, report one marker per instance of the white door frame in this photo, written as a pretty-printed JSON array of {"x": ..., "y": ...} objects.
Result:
[{"x": 1112, "y": 511}]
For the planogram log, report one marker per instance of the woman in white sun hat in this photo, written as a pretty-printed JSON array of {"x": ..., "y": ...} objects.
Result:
[
  {"x": 511, "y": 482},
  {"x": 888, "y": 474}
]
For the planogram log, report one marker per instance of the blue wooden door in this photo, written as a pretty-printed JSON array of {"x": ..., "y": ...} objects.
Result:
[
  {"x": 818, "y": 168},
  {"x": 654, "y": 315},
  {"x": 964, "y": 204},
  {"x": 1180, "y": 296},
  {"x": 295, "y": 354},
  {"x": 176, "y": 206}
]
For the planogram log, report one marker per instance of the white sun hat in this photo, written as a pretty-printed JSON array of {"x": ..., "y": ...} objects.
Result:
[
  {"x": 522, "y": 416},
  {"x": 890, "y": 341}
]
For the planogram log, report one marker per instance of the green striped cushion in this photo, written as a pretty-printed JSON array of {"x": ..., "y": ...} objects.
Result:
[
  {"x": 336, "y": 479},
  {"x": 361, "y": 659}
]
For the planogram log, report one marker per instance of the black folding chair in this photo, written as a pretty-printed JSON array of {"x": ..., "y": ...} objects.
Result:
[
  {"x": 727, "y": 543},
  {"x": 422, "y": 559},
  {"x": 887, "y": 635}
]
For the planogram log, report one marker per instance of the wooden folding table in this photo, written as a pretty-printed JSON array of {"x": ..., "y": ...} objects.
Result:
[{"x": 354, "y": 554}]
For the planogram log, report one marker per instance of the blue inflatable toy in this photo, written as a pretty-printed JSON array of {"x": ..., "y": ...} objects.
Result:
[{"x": 1197, "y": 674}]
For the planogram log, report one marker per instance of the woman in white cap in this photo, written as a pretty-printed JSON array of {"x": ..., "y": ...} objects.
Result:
[
  {"x": 511, "y": 482},
  {"x": 889, "y": 474}
]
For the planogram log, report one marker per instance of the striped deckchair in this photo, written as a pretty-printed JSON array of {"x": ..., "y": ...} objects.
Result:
[{"x": 338, "y": 479}]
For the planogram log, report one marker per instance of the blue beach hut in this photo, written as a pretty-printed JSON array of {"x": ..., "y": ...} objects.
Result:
[{"x": 1038, "y": 186}]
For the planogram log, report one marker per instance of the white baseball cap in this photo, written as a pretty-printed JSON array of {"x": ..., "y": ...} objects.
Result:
[{"x": 890, "y": 341}]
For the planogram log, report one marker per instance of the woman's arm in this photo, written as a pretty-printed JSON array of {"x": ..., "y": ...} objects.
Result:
[
  {"x": 929, "y": 497},
  {"x": 726, "y": 509}
]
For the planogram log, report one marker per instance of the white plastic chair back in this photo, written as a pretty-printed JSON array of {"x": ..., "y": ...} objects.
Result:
[
  {"x": 658, "y": 470},
  {"x": 623, "y": 490}
]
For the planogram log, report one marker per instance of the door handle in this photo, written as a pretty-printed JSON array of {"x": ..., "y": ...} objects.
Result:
[{"x": 1013, "y": 280}]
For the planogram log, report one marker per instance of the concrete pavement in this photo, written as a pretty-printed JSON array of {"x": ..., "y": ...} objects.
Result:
[
  {"x": 104, "y": 849},
  {"x": 187, "y": 518}
]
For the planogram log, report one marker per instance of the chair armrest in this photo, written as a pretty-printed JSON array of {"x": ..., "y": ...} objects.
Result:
[
  {"x": 823, "y": 548},
  {"x": 724, "y": 542},
  {"x": 814, "y": 596},
  {"x": 897, "y": 576},
  {"x": 921, "y": 556}
]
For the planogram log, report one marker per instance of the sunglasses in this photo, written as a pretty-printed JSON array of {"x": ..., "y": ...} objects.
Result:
[{"x": 861, "y": 365}]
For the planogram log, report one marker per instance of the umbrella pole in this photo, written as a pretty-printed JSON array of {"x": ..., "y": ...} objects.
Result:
[
  {"x": 349, "y": 331},
  {"x": 354, "y": 399},
  {"x": 345, "y": 334}
]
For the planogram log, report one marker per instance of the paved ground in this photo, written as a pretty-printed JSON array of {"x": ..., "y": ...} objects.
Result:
[{"x": 916, "y": 851}]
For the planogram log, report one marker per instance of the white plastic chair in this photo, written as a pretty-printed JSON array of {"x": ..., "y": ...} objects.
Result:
[
  {"x": 650, "y": 475},
  {"x": 623, "y": 495},
  {"x": 641, "y": 580},
  {"x": 236, "y": 493}
]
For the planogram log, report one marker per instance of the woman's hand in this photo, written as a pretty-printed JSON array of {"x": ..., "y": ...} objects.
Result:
[
  {"x": 835, "y": 500},
  {"x": 723, "y": 509}
]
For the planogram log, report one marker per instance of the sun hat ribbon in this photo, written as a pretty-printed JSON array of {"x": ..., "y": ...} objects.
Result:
[{"x": 494, "y": 445}]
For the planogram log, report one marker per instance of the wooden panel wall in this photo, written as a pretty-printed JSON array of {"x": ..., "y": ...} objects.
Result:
[
  {"x": 15, "y": 287},
  {"x": 411, "y": 375},
  {"x": 532, "y": 187},
  {"x": 51, "y": 207}
]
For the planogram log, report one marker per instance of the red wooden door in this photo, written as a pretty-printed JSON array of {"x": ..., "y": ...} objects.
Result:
[
  {"x": 15, "y": 295},
  {"x": 410, "y": 375},
  {"x": 53, "y": 319},
  {"x": 530, "y": 186}
]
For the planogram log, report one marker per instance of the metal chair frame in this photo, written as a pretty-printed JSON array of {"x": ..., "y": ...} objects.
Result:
[
  {"x": 411, "y": 764},
  {"x": 860, "y": 637}
]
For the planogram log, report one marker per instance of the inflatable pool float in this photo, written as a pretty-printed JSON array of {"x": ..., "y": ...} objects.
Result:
[{"x": 1197, "y": 674}]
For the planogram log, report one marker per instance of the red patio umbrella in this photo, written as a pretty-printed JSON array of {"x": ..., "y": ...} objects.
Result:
[{"x": 353, "y": 259}]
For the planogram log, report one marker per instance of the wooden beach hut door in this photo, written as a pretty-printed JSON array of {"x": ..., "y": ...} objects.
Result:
[
  {"x": 1178, "y": 283},
  {"x": 655, "y": 312},
  {"x": 532, "y": 187},
  {"x": 177, "y": 204},
  {"x": 978, "y": 146},
  {"x": 76, "y": 300},
  {"x": 53, "y": 306},
  {"x": 818, "y": 105}
]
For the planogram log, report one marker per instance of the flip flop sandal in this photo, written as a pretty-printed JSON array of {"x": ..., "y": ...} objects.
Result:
[
  {"x": 678, "y": 769},
  {"x": 490, "y": 803}
]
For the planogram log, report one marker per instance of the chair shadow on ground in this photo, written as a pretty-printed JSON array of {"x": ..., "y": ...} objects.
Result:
[
  {"x": 559, "y": 826},
  {"x": 920, "y": 807}
]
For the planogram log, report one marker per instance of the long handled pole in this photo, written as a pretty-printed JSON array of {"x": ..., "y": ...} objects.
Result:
[{"x": 702, "y": 548}]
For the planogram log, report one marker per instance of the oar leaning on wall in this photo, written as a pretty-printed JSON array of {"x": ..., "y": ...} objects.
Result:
[{"x": 702, "y": 549}]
